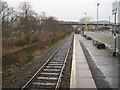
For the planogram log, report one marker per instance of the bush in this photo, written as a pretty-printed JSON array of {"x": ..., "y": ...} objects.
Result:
[
  {"x": 54, "y": 40},
  {"x": 35, "y": 40},
  {"x": 95, "y": 42},
  {"x": 77, "y": 32},
  {"x": 84, "y": 36},
  {"x": 88, "y": 38},
  {"x": 98, "y": 44},
  {"x": 101, "y": 46},
  {"x": 26, "y": 40},
  {"x": 23, "y": 42},
  {"x": 20, "y": 43}
]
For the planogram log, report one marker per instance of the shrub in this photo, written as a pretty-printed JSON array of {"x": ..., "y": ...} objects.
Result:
[
  {"x": 98, "y": 44},
  {"x": 53, "y": 40},
  {"x": 77, "y": 32},
  {"x": 25, "y": 40},
  {"x": 84, "y": 36},
  {"x": 35, "y": 40},
  {"x": 95, "y": 42},
  {"x": 20, "y": 43},
  {"x": 88, "y": 38}
]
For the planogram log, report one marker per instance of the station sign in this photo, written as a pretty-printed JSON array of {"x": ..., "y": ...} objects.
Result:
[
  {"x": 114, "y": 8},
  {"x": 0, "y": 6},
  {"x": 119, "y": 13}
]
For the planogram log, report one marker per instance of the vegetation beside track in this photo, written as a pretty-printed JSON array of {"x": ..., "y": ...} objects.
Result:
[{"x": 15, "y": 61}]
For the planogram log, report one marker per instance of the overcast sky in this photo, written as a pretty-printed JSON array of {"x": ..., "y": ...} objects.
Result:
[{"x": 70, "y": 10}]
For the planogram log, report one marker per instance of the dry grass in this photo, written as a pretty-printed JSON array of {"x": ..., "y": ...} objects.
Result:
[{"x": 15, "y": 61}]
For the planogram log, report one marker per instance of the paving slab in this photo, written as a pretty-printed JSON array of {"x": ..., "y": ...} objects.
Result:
[
  {"x": 85, "y": 83},
  {"x": 81, "y": 76}
]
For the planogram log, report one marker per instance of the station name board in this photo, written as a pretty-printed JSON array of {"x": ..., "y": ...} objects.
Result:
[{"x": 114, "y": 8}]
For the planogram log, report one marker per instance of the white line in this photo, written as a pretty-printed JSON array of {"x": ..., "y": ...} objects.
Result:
[{"x": 73, "y": 71}]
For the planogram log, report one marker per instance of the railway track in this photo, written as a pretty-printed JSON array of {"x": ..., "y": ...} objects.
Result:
[{"x": 51, "y": 73}]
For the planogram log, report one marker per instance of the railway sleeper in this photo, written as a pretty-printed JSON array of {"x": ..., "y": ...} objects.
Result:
[
  {"x": 55, "y": 64},
  {"x": 46, "y": 73},
  {"x": 59, "y": 67},
  {"x": 61, "y": 61},
  {"x": 47, "y": 78},
  {"x": 45, "y": 84},
  {"x": 42, "y": 87},
  {"x": 52, "y": 70}
]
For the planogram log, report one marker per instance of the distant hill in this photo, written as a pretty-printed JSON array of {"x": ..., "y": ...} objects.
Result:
[
  {"x": 102, "y": 22},
  {"x": 94, "y": 22}
]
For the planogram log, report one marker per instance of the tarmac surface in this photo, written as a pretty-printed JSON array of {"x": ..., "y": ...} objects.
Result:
[
  {"x": 103, "y": 65},
  {"x": 104, "y": 36}
]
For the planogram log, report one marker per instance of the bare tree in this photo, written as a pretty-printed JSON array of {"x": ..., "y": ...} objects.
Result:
[
  {"x": 6, "y": 17},
  {"x": 6, "y": 12},
  {"x": 26, "y": 7},
  {"x": 43, "y": 16},
  {"x": 27, "y": 21}
]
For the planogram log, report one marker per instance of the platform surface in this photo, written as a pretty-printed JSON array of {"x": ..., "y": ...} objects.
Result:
[
  {"x": 81, "y": 76},
  {"x": 104, "y": 66}
]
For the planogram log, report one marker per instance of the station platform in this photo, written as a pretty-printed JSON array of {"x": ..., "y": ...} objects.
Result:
[
  {"x": 92, "y": 67},
  {"x": 81, "y": 76}
]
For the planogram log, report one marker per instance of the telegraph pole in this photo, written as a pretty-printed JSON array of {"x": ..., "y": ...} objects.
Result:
[
  {"x": 109, "y": 20},
  {"x": 82, "y": 27},
  {"x": 97, "y": 14},
  {"x": 86, "y": 20},
  {"x": 114, "y": 11},
  {"x": 114, "y": 53}
]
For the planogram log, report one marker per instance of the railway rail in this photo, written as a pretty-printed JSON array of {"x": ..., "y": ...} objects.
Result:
[{"x": 51, "y": 73}]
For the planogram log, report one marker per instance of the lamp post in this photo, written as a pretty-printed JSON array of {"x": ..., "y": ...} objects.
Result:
[
  {"x": 86, "y": 19},
  {"x": 97, "y": 14},
  {"x": 109, "y": 20},
  {"x": 115, "y": 39},
  {"x": 114, "y": 12},
  {"x": 81, "y": 27}
]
